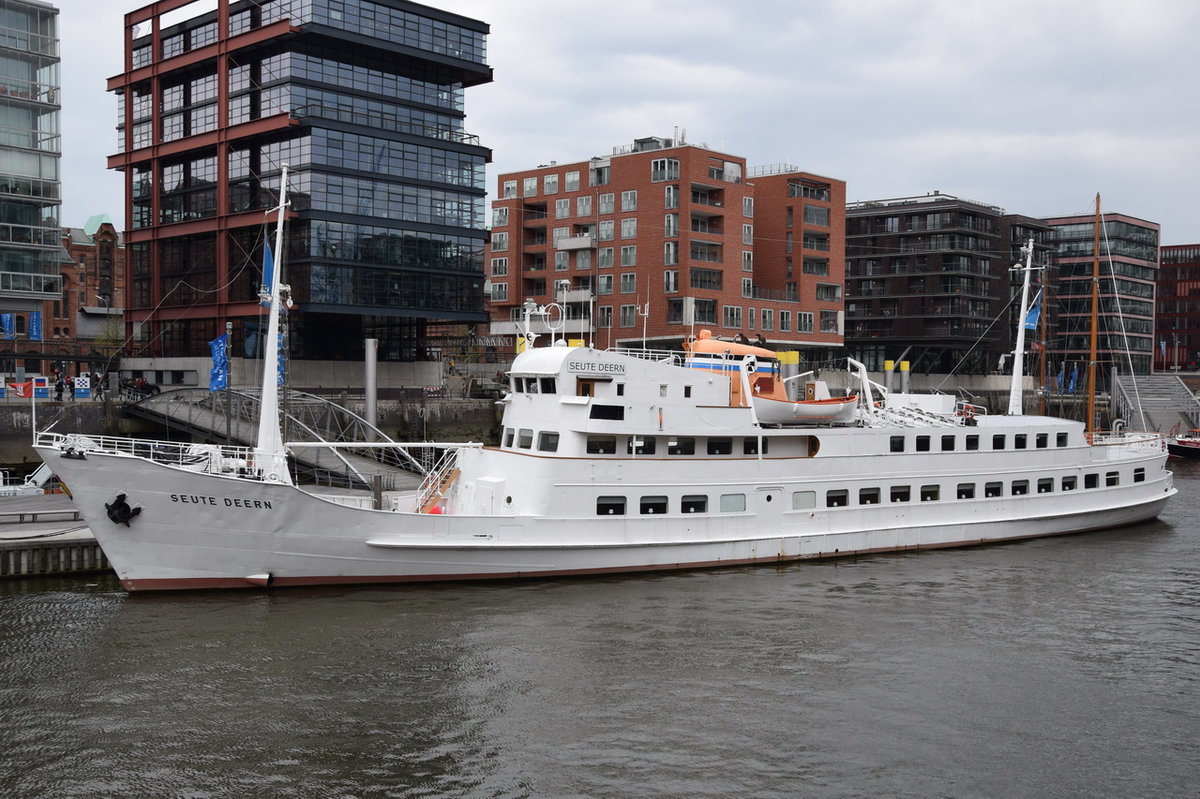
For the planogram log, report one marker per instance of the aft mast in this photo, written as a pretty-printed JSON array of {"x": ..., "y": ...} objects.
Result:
[
  {"x": 1018, "y": 368},
  {"x": 1089, "y": 425},
  {"x": 270, "y": 456}
]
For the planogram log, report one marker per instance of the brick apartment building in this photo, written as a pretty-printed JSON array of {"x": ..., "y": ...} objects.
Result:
[{"x": 663, "y": 237}]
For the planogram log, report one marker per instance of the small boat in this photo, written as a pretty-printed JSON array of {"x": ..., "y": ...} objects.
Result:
[
  {"x": 1185, "y": 445},
  {"x": 765, "y": 385}
]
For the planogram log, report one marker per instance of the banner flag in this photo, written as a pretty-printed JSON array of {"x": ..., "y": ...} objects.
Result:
[
  {"x": 268, "y": 272},
  {"x": 22, "y": 389},
  {"x": 1031, "y": 318},
  {"x": 35, "y": 325},
  {"x": 8, "y": 326},
  {"x": 219, "y": 376}
]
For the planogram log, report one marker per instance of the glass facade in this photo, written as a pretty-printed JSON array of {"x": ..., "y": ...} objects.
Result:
[
  {"x": 31, "y": 252},
  {"x": 386, "y": 189}
]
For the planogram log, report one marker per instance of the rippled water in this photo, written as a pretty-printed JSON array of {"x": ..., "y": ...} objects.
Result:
[{"x": 1063, "y": 667}]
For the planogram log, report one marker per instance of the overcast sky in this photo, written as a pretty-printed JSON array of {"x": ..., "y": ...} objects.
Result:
[{"x": 1031, "y": 105}]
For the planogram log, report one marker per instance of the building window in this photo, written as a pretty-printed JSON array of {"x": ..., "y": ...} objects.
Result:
[
  {"x": 572, "y": 182},
  {"x": 499, "y": 241},
  {"x": 731, "y": 316},
  {"x": 804, "y": 322},
  {"x": 530, "y": 187},
  {"x": 747, "y": 234},
  {"x": 671, "y": 281},
  {"x": 499, "y": 217},
  {"x": 785, "y": 321},
  {"x": 829, "y": 293},
  {"x": 671, "y": 197},
  {"x": 664, "y": 169},
  {"x": 604, "y": 284},
  {"x": 558, "y": 234},
  {"x": 629, "y": 200},
  {"x": 816, "y": 266},
  {"x": 499, "y": 267},
  {"x": 671, "y": 225},
  {"x": 768, "y": 319},
  {"x": 629, "y": 283},
  {"x": 599, "y": 175},
  {"x": 562, "y": 261},
  {"x": 750, "y": 318},
  {"x": 629, "y": 255},
  {"x": 747, "y": 287},
  {"x": 583, "y": 260},
  {"x": 604, "y": 257},
  {"x": 747, "y": 261},
  {"x": 583, "y": 206},
  {"x": 606, "y": 228},
  {"x": 629, "y": 228},
  {"x": 604, "y": 315},
  {"x": 607, "y": 203},
  {"x": 748, "y": 206},
  {"x": 829, "y": 322},
  {"x": 510, "y": 189},
  {"x": 816, "y": 215},
  {"x": 562, "y": 208},
  {"x": 499, "y": 292},
  {"x": 670, "y": 253},
  {"x": 628, "y": 315},
  {"x": 550, "y": 184}
]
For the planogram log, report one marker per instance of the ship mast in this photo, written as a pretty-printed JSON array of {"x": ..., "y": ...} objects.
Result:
[
  {"x": 1089, "y": 425},
  {"x": 1018, "y": 368},
  {"x": 270, "y": 456}
]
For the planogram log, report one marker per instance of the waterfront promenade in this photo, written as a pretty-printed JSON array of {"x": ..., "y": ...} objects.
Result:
[{"x": 42, "y": 534}]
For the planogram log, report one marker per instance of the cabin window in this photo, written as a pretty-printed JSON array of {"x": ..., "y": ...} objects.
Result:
[
  {"x": 733, "y": 503},
  {"x": 694, "y": 503},
  {"x": 612, "y": 412},
  {"x": 1060, "y": 440},
  {"x": 1043, "y": 440},
  {"x": 519, "y": 385},
  {"x": 1020, "y": 441},
  {"x": 720, "y": 446},
  {"x": 897, "y": 443},
  {"x": 1045, "y": 485},
  {"x": 508, "y": 436},
  {"x": 1139, "y": 475},
  {"x": 1020, "y": 488},
  {"x": 750, "y": 446},
  {"x": 549, "y": 385},
  {"x": 972, "y": 443},
  {"x": 931, "y": 493},
  {"x": 801, "y": 500},
  {"x": 640, "y": 445},
  {"x": 947, "y": 443},
  {"x": 922, "y": 443},
  {"x": 681, "y": 446},
  {"x": 525, "y": 438},
  {"x": 687, "y": 392},
  {"x": 1070, "y": 483},
  {"x": 837, "y": 498},
  {"x": 610, "y": 506},
  {"x": 1112, "y": 478},
  {"x": 965, "y": 491},
  {"x": 602, "y": 445},
  {"x": 662, "y": 390},
  {"x": 900, "y": 493},
  {"x": 868, "y": 496},
  {"x": 993, "y": 489},
  {"x": 998, "y": 442},
  {"x": 1091, "y": 481},
  {"x": 620, "y": 389},
  {"x": 548, "y": 442},
  {"x": 653, "y": 504},
  {"x": 531, "y": 385}
]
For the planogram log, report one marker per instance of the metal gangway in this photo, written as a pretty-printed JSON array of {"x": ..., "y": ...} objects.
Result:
[{"x": 231, "y": 416}]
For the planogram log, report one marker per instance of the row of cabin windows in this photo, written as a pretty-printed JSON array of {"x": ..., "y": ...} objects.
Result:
[
  {"x": 660, "y": 504},
  {"x": 840, "y": 497},
  {"x": 970, "y": 443},
  {"x": 837, "y": 498},
  {"x": 535, "y": 385},
  {"x": 675, "y": 445},
  {"x": 523, "y": 439}
]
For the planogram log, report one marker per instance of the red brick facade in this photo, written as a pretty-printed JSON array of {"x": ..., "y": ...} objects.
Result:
[{"x": 664, "y": 232}]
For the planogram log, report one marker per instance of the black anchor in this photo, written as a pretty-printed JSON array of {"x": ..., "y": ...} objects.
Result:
[{"x": 119, "y": 512}]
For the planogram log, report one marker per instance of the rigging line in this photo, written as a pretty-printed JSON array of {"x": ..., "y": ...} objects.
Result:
[
  {"x": 1137, "y": 397},
  {"x": 979, "y": 339}
]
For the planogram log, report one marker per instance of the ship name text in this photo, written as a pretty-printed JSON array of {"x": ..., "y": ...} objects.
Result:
[
  {"x": 229, "y": 502},
  {"x": 596, "y": 367}
]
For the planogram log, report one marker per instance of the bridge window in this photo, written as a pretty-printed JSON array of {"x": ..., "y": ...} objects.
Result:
[
  {"x": 548, "y": 442},
  {"x": 640, "y": 445},
  {"x": 1043, "y": 440},
  {"x": 681, "y": 446},
  {"x": 972, "y": 443},
  {"x": 525, "y": 439},
  {"x": 602, "y": 445},
  {"x": 1060, "y": 440}
]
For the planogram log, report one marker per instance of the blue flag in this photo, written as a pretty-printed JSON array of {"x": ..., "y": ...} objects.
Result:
[
  {"x": 268, "y": 269},
  {"x": 1074, "y": 379},
  {"x": 219, "y": 377},
  {"x": 8, "y": 326},
  {"x": 35, "y": 325},
  {"x": 1031, "y": 318},
  {"x": 281, "y": 365}
]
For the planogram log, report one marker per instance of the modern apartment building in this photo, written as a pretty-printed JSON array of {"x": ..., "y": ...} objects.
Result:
[
  {"x": 1177, "y": 309},
  {"x": 928, "y": 280},
  {"x": 364, "y": 101},
  {"x": 662, "y": 238},
  {"x": 31, "y": 253},
  {"x": 1129, "y": 269}
]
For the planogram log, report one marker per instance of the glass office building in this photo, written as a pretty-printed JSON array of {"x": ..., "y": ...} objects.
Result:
[
  {"x": 364, "y": 101},
  {"x": 31, "y": 252}
]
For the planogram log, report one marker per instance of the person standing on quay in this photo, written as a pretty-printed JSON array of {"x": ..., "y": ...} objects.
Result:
[
  {"x": 71, "y": 386},
  {"x": 58, "y": 389}
]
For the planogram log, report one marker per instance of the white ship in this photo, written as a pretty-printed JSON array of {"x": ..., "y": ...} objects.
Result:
[{"x": 613, "y": 461}]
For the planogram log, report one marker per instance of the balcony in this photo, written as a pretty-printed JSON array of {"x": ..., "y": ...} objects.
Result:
[{"x": 585, "y": 242}]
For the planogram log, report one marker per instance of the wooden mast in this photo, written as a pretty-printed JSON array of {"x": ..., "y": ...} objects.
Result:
[
  {"x": 1090, "y": 423},
  {"x": 1042, "y": 341}
]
